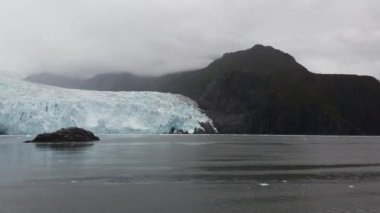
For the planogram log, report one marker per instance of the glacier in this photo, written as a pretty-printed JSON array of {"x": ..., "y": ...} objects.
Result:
[{"x": 29, "y": 108}]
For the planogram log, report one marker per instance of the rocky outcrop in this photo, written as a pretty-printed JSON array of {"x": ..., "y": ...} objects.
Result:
[
  {"x": 174, "y": 131},
  {"x": 207, "y": 128},
  {"x": 3, "y": 129},
  {"x": 72, "y": 134}
]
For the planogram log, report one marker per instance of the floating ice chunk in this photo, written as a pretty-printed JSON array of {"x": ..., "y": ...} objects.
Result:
[{"x": 28, "y": 108}]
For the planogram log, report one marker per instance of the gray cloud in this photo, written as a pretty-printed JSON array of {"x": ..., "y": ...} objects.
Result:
[{"x": 155, "y": 36}]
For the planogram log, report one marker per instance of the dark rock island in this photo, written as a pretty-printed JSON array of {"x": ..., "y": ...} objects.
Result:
[{"x": 72, "y": 134}]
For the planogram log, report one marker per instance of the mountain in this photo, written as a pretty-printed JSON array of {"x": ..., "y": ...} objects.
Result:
[
  {"x": 28, "y": 108},
  {"x": 263, "y": 90},
  {"x": 55, "y": 80}
]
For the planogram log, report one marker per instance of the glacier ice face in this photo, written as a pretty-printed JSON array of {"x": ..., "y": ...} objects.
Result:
[{"x": 28, "y": 108}]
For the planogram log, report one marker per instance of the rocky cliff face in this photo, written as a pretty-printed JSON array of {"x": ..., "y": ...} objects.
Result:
[{"x": 264, "y": 90}]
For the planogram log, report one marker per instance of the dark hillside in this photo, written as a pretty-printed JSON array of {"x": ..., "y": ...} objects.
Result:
[{"x": 264, "y": 90}]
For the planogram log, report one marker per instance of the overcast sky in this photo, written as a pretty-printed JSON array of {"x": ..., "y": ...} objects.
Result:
[{"x": 155, "y": 36}]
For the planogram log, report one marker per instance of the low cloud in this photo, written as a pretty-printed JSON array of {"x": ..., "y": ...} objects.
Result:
[{"x": 84, "y": 37}]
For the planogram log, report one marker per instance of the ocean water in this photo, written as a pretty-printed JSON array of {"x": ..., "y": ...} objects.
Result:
[{"x": 185, "y": 173}]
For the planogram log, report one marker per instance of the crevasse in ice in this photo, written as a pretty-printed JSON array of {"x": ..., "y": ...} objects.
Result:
[{"x": 28, "y": 108}]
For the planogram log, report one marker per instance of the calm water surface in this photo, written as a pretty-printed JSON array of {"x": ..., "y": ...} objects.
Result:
[{"x": 192, "y": 174}]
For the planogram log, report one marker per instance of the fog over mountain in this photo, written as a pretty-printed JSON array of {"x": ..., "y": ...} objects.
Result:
[
  {"x": 151, "y": 37},
  {"x": 261, "y": 90}
]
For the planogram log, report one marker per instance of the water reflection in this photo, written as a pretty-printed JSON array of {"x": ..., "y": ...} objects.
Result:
[
  {"x": 64, "y": 146},
  {"x": 192, "y": 174}
]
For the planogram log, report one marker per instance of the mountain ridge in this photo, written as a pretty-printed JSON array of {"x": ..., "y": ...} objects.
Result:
[{"x": 263, "y": 90}]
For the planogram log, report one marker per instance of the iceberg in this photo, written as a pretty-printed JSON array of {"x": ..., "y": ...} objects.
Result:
[{"x": 29, "y": 108}]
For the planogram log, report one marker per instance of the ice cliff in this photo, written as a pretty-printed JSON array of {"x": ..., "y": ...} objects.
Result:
[{"x": 28, "y": 108}]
